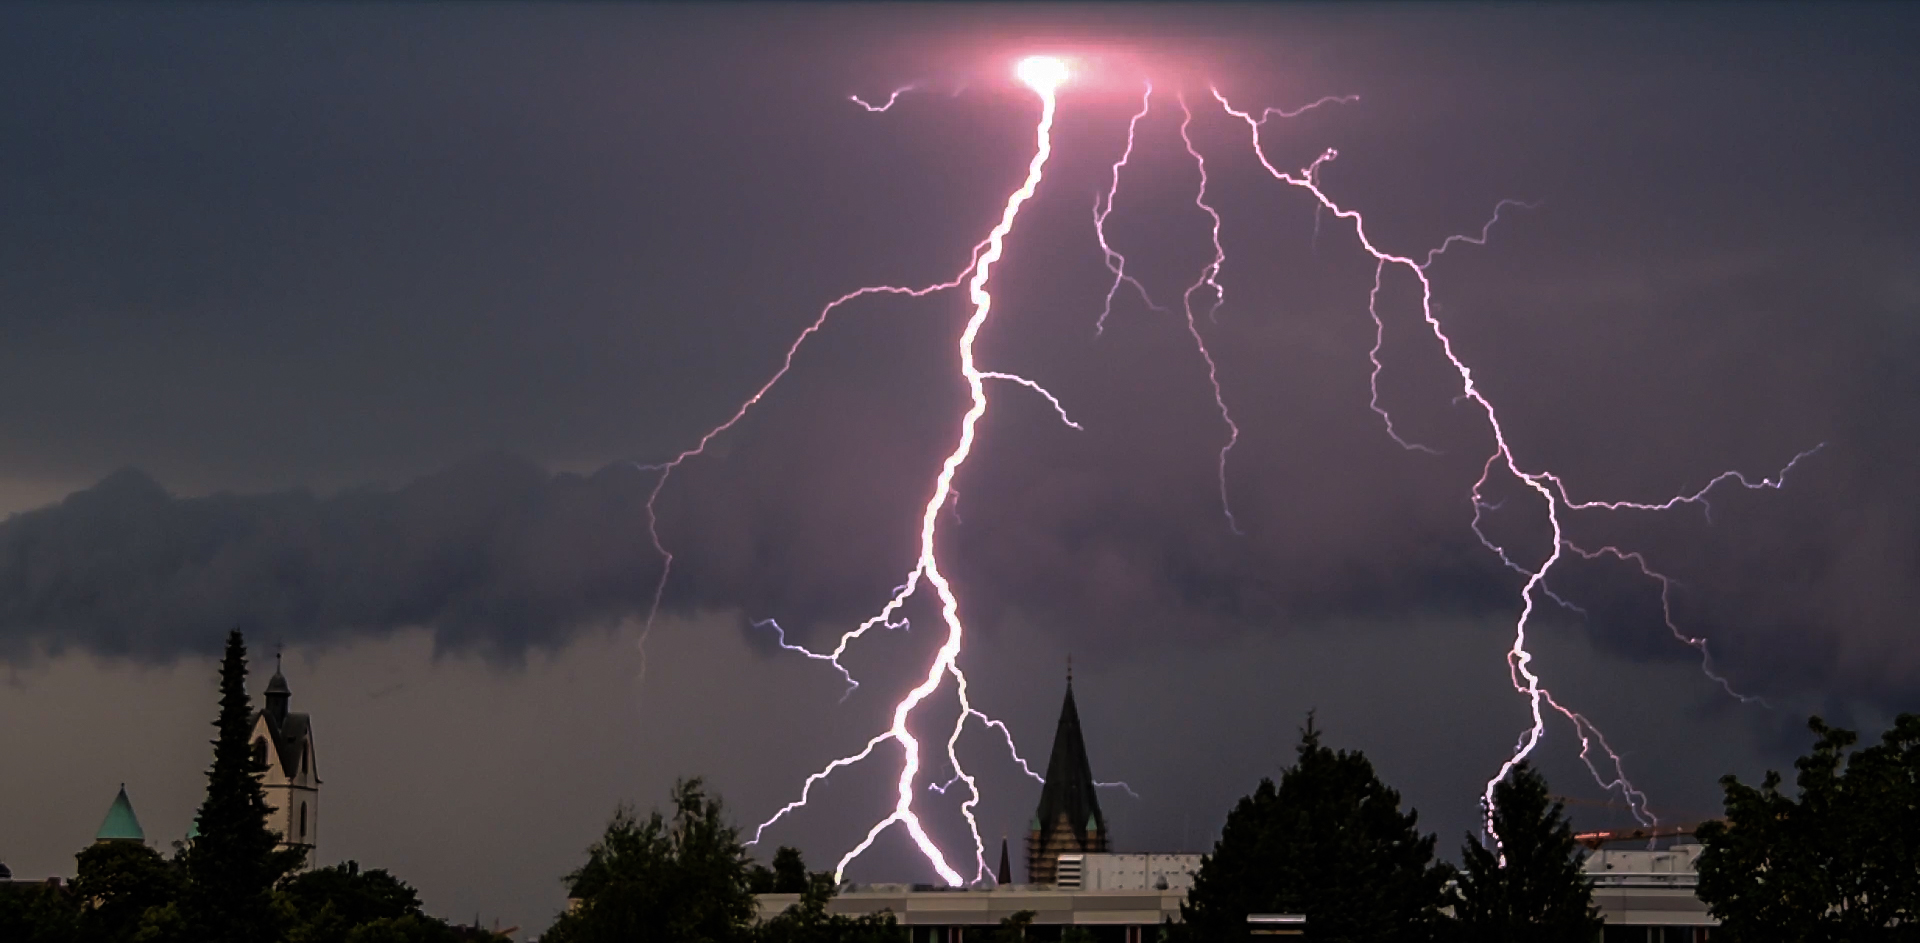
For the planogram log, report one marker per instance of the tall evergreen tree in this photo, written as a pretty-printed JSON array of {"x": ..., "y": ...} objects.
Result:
[
  {"x": 1531, "y": 889},
  {"x": 1329, "y": 842},
  {"x": 232, "y": 865}
]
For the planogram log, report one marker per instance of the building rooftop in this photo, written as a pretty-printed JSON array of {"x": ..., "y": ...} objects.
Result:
[{"x": 917, "y": 906}]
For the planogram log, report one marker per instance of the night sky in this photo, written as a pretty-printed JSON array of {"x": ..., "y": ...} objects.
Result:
[{"x": 353, "y": 326}]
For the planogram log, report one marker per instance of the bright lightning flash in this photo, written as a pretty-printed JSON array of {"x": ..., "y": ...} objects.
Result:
[{"x": 1044, "y": 75}]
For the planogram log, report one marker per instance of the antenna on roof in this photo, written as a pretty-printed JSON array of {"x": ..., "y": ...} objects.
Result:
[{"x": 1069, "y": 669}]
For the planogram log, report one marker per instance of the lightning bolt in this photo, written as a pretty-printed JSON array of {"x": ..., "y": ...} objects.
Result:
[
  {"x": 1210, "y": 279},
  {"x": 1043, "y": 76},
  {"x": 667, "y": 468},
  {"x": 1551, "y": 489},
  {"x": 894, "y": 97},
  {"x": 1117, "y": 263}
]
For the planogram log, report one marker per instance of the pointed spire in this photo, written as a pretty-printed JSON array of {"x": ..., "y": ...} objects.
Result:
[
  {"x": 1069, "y": 788},
  {"x": 1005, "y": 877},
  {"x": 120, "y": 824}
]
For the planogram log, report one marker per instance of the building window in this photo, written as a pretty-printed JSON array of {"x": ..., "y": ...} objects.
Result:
[
  {"x": 260, "y": 751},
  {"x": 303, "y": 821}
]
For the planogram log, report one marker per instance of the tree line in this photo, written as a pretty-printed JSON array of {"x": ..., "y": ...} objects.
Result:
[
  {"x": 1330, "y": 840},
  {"x": 1839, "y": 862},
  {"x": 229, "y": 883}
]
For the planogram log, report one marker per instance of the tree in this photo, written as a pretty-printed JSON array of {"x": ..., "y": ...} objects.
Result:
[
  {"x": 232, "y": 865},
  {"x": 410, "y": 928},
  {"x": 790, "y": 872},
  {"x": 1013, "y": 928},
  {"x": 38, "y": 913},
  {"x": 686, "y": 881},
  {"x": 1329, "y": 842},
  {"x": 116, "y": 884},
  {"x": 330, "y": 905},
  {"x": 1840, "y": 862},
  {"x": 808, "y": 921},
  {"x": 1531, "y": 888},
  {"x": 787, "y": 876}
]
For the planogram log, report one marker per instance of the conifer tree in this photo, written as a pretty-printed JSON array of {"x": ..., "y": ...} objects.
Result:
[
  {"x": 1531, "y": 888},
  {"x": 1329, "y": 842},
  {"x": 232, "y": 866}
]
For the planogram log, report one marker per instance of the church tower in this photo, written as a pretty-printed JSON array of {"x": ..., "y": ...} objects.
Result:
[
  {"x": 283, "y": 742},
  {"x": 1069, "y": 819},
  {"x": 120, "y": 825}
]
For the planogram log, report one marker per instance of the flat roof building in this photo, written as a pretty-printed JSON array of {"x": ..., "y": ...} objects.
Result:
[
  {"x": 935, "y": 914},
  {"x": 1648, "y": 896}
]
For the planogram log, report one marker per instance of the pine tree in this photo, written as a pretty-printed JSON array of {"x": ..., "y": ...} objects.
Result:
[
  {"x": 1530, "y": 889},
  {"x": 233, "y": 865},
  {"x": 1329, "y": 842}
]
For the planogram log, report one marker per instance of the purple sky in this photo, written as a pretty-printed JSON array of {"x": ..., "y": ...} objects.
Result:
[{"x": 347, "y": 324}]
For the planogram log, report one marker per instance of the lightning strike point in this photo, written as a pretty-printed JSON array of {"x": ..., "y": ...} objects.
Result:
[{"x": 1043, "y": 74}]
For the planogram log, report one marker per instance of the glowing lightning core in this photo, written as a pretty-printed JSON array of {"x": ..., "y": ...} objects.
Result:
[{"x": 1043, "y": 75}]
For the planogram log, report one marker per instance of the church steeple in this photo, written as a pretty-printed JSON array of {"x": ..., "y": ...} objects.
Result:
[
  {"x": 283, "y": 744},
  {"x": 277, "y": 696},
  {"x": 1069, "y": 819}
]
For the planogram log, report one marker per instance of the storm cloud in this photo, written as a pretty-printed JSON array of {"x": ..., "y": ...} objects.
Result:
[{"x": 411, "y": 264}]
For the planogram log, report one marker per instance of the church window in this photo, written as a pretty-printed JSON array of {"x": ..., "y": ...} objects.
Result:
[
  {"x": 260, "y": 751},
  {"x": 303, "y": 821}
]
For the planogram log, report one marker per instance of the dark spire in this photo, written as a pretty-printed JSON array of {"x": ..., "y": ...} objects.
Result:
[
  {"x": 277, "y": 696},
  {"x": 1005, "y": 877},
  {"x": 1069, "y": 790}
]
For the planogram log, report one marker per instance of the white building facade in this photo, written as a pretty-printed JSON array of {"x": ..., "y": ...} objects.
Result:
[
  {"x": 283, "y": 741},
  {"x": 1649, "y": 896}
]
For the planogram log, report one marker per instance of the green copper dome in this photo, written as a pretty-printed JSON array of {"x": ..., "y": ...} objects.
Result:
[{"x": 121, "y": 824}]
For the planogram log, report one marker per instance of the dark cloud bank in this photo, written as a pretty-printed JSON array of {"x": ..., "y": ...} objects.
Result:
[{"x": 538, "y": 233}]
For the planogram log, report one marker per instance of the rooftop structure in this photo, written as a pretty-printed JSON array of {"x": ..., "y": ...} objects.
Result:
[
  {"x": 1648, "y": 895},
  {"x": 120, "y": 824},
  {"x": 1110, "y": 872},
  {"x": 947, "y": 915}
]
